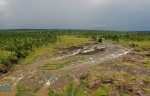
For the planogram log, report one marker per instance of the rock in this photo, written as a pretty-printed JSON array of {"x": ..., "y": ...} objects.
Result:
[
  {"x": 87, "y": 51},
  {"x": 83, "y": 76},
  {"x": 92, "y": 49},
  {"x": 107, "y": 80},
  {"x": 5, "y": 69},
  {"x": 138, "y": 93},
  {"x": 100, "y": 48},
  {"x": 94, "y": 85},
  {"x": 128, "y": 88}
]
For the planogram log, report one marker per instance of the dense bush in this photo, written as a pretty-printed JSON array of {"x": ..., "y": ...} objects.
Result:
[{"x": 17, "y": 45}]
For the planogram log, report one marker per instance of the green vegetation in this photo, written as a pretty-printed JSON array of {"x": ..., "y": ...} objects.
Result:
[
  {"x": 146, "y": 66},
  {"x": 55, "y": 65},
  {"x": 69, "y": 90},
  {"x": 122, "y": 91},
  {"x": 146, "y": 90},
  {"x": 147, "y": 80},
  {"x": 81, "y": 90},
  {"x": 146, "y": 60},
  {"x": 25, "y": 45},
  {"x": 83, "y": 58},
  {"x": 143, "y": 53},
  {"x": 102, "y": 91},
  {"x": 37, "y": 88},
  {"x": 66, "y": 41},
  {"x": 20, "y": 90},
  {"x": 52, "y": 93},
  {"x": 18, "y": 45},
  {"x": 95, "y": 68},
  {"x": 126, "y": 64},
  {"x": 122, "y": 73}
]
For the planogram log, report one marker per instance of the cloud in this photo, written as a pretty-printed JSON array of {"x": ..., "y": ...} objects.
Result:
[
  {"x": 3, "y": 2},
  {"x": 116, "y": 14}
]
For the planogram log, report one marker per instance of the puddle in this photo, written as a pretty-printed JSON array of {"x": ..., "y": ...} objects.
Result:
[{"x": 5, "y": 88}]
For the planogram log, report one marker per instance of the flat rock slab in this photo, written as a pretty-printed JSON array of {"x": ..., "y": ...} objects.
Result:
[{"x": 88, "y": 50}]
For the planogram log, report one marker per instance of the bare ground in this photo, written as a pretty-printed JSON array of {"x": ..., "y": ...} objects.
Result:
[{"x": 111, "y": 66}]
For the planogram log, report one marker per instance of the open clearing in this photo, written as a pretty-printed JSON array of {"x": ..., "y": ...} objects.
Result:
[
  {"x": 56, "y": 72},
  {"x": 81, "y": 67}
]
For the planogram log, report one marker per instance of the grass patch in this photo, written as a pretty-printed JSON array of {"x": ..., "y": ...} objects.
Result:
[
  {"x": 39, "y": 52},
  {"x": 146, "y": 90},
  {"x": 128, "y": 64},
  {"x": 52, "y": 93},
  {"x": 132, "y": 78},
  {"x": 147, "y": 80},
  {"x": 2, "y": 65},
  {"x": 37, "y": 89},
  {"x": 81, "y": 90},
  {"x": 27, "y": 60},
  {"x": 121, "y": 91},
  {"x": 146, "y": 60},
  {"x": 122, "y": 73},
  {"x": 69, "y": 90},
  {"x": 20, "y": 90},
  {"x": 143, "y": 43},
  {"x": 102, "y": 91},
  {"x": 135, "y": 43},
  {"x": 143, "y": 53},
  {"x": 6, "y": 58},
  {"x": 68, "y": 41},
  {"x": 96, "y": 68},
  {"x": 82, "y": 58},
  {"x": 146, "y": 66},
  {"x": 56, "y": 65},
  {"x": 4, "y": 54}
]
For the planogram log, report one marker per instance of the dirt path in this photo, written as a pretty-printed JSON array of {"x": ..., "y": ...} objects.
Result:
[{"x": 33, "y": 77}]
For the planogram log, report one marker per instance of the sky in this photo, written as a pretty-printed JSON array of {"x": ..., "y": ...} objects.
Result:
[{"x": 123, "y": 15}]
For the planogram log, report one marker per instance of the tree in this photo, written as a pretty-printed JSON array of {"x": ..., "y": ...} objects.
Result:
[{"x": 99, "y": 40}]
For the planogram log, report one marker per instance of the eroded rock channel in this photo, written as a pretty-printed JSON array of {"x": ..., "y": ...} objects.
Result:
[{"x": 57, "y": 71}]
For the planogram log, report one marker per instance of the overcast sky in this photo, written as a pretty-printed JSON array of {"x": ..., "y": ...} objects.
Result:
[{"x": 75, "y": 14}]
